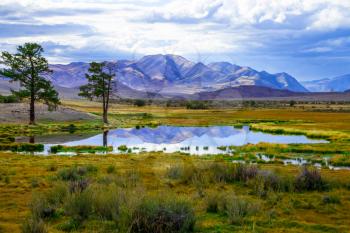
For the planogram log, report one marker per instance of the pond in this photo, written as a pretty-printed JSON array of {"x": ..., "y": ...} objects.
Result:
[{"x": 169, "y": 139}]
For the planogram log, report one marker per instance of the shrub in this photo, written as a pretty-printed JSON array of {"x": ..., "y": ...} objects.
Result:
[
  {"x": 139, "y": 103},
  {"x": 79, "y": 205},
  {"x": 78, "y": 186},
  {"x": 196, "y": 105},
  {"x": 35, "y": 182},
  {"x": 222, "y": 172},
  {"x": 175, "y": 172},
  {"x": 80, "y": 149},
  {"x": 245, "y": 172},
  {"x": 110, "y": 169},
  {"x": 40, "y": 207},
  {"x": 107, "y": 203},
  {"x": 22, "y": 147},
  {"x": 331, "y": 199},
  {"x": 76, "y": 173},
  {"x": 57, "y": 194},
  {"x": 309, "y": 180},
  {"x": 33, "y": 225},
  {"x": 213, "y": 203},
  {"x": 267, "y": 181},
  {"x": 67, "y": 174},
  {"x": 156, "y": 215},
  {"x": 237, "y": 209},
  {"x": 52, "y": 168},
  {"x": 123, "y": 148},
  {"x": 9, "y": 99}
]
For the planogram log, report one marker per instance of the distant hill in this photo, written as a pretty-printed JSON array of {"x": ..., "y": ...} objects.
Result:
[
  {"x": 172, "y": 74},
  {"x": 337, "y": 84}
]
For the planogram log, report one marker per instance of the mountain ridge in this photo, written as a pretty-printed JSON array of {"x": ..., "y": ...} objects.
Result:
[
  {"x": 337, "y": 84},
  {"x": 175, "y": 74}
]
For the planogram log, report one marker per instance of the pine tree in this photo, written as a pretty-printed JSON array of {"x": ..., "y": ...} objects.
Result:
[
  {"x": 100, "y": 77},
  {"x": 28, "y": 67}
]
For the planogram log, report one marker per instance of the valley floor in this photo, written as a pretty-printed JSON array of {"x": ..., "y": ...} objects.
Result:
[{"x": 224, "y": 197}]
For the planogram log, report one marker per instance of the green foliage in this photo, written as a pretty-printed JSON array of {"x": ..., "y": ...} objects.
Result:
[
  {"x": 34, "y": 225},
  {"x": 123, "y": 148},
  {"x": 196, "y": 105},
  {"x": 22, "y": 147},
  {"x": 99, "y": 76},
  {"x": 331, "y": 199},
  {"x": 107, "y": 203},
  {"x": 6, "y": 138},
  {"x": 139, "y": 102},
  {"x": 9, "y": 99},
  {"x": 80, "y": 149},
  {"x": 110, "y": 169},
  {"x": 237, "y": 209},
  {"x": 29, "y": 67},
  {"x": 310, "y": 180},
  {"x": 156, "y": 215},
  {"x": 79, "y": 205}
]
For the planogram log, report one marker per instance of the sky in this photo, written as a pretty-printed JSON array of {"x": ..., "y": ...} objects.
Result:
[{"x": 309, "y": 39}]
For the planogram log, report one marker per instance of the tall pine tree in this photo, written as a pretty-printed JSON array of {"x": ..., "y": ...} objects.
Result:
[
  {"x": 100, "y": 77},
  {"x": 28, "y": 67}
]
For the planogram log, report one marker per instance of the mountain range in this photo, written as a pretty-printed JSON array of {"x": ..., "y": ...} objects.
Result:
[
  {"x": 337, "y": 84},
  {"x": 175, "y": 75},
  {"x": 157, "y": 76}
]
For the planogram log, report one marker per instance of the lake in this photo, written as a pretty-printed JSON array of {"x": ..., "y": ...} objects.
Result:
[{"x": 169, "y": 139}]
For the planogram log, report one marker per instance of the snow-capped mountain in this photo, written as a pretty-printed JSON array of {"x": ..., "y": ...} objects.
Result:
[
  {"x": 175, "y": 74},
  {"x": 337, "y": 84}
]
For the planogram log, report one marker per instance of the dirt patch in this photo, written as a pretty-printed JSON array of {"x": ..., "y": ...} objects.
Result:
[{"x": 20, "y": 113}]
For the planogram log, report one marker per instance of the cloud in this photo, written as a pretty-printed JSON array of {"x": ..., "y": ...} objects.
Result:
[
  {"x": 249, "y": 32},
  {"x": 25, "y": 30}
]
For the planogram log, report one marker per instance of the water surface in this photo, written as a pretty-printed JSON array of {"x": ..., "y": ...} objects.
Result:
[{"x": 192, "y": 140}]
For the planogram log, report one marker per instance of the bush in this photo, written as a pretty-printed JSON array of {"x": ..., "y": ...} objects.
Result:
[
  {"x": 107, "y": 203},
  {"x": 9, "y": 99},
  {"x": 68, "y": 174},
  {"x": 196, "y": 105},
  {"x": 110, "y": 169},
  {"x": 309, "y": 180},
  {"x": 267, "y": 181},
  {"x": 123, "y": 148},
  {"x": 33, "y": 225},
  {"x": 331, "y": 199},
  {"x": 76, "y": 173},
  {"x": 40, "y": 208},
  {"x": 237, "y": 209},
  {"x": 79, "y": 205},
  {"x": 244, "y": 172},
  {"x": 139, "y": 103},
  {"x": 22, "y": 147},
  {"x": 156, "y": 215},
  {"x": 78, "y": 186},
  {"x": 213, "y": 203},
  {"x": 175, "y": 172},
  {"x": 80, "y": 149},
  {"x": 57, "y": 194}
]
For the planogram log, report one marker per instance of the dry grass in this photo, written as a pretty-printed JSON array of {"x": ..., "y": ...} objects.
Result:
[{"x": 294, "y": 212}]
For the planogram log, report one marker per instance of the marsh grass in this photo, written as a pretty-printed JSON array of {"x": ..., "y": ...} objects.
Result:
[
  {"x": 160, "y": 215},
  {"x": 80, "y": 149}
]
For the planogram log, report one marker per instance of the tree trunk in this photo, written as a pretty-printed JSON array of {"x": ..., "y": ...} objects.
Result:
[
  {"x": 105, "y": 138},
  {"x": 32, "y": 111},
  {"x": 105, "y": 115}
]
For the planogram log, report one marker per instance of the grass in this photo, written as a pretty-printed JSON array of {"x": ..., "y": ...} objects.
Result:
[
  {"x": 151, "y": 176},
  {"x": 80, "y": 149},
  {"x": 129, "y": 192}
]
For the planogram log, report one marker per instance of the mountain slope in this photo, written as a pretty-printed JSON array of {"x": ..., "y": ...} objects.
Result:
[
  {"x": 340, "y": 83},
  {"x": 169, "y": 74}
]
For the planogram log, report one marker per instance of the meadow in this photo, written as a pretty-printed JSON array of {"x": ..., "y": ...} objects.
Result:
[{"x": 156, "y": 192}]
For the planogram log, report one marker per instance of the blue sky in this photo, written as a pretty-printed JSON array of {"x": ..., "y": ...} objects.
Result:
[{"x": 310, "y": 39}]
